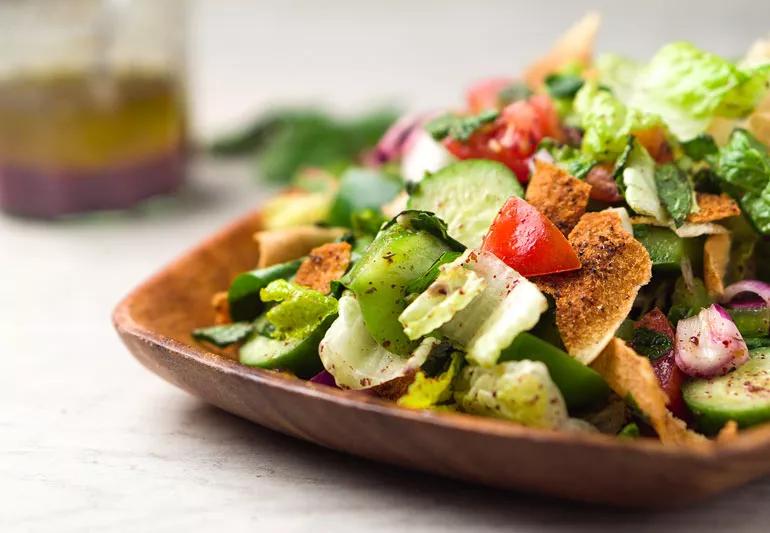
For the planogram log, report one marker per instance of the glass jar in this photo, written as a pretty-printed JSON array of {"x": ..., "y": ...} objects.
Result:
[{"x": 92, "y": 107}]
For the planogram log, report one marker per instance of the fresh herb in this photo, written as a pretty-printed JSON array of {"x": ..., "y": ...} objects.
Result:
[
  {"x": 757, "y": 208},
  {"x": 457, "y": 127},
  {"x": 428, "y": 222},
  {"x": 225, "y": 334},
  {"x": 621, "y": 163},
  {"x": 563, "y": 85},
  {"x": 513, "y": 93},
  {"x": 700, "y": 147},
  {"x": 757, "y": 342},
  {"x": 651, "y": 344},
  {"x": 569, "y": 158},
  {"x": 361, "y": 189},
  {"x": 675, "y": 192},
  {"x": 744, "y": 162},
  {"x": 287, "y": 141},
  {"x": 687, "y": 301}
]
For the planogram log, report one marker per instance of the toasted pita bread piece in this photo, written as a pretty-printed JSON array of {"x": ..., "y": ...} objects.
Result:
[
  {"x": 593, "y": 301},
  {"x": 716, "y": 257},
  {"x": 559, "y": 196},
  {"x": 221, "y": 308},
  {"x": 713, "y": 207},
  {"x": 574, "y": 46},
  {"x": 323, "y": 265},
  {"x": 281, "y": 245},
  {"x": 631, "y": 377},
  {"x": 728, "y": 432}
]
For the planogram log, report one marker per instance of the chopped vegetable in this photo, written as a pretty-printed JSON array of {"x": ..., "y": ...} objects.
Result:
[
  {"x": 675, "y": 192},
  {"x": 425, "y": 392},
  {"x": 299, "y": 311},
  {"x": 225, "y": 334},
  {"x": 520, "y": 391},
  {"x": 709, "y": 344},
  {"x": 641, "y": 189},
  {"x": 244, "y": 299},
  {"x": 528, "y": 242},
  {"x": 361, "y": 189}
]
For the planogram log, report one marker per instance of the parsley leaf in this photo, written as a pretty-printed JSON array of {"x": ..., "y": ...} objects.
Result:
[
  {"x": 651, "y": 344},
  {"x": 675, "y": 191},
  {"x": 700, "y": 147},
  {"x": 563, "y": 85},
  {"x": 457, "y": 127},
  {"x": 513, "y": 93}
]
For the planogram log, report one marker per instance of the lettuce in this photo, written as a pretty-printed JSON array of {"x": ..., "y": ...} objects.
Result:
[
  {"x": 508, "y": 305},
  {"x": 355, "y": 359},
  {"x": 620, "y": 74},
  {"x": 606, "y": 122},
  {"x": 641, "y": 191},
  {"x": 521, "y": 391},
  {"x": 454, "y": 288},
  {"x": 300, "y": 311},
  {"x": 425, "y": 392},
  {"x": 688, "y": 87}
]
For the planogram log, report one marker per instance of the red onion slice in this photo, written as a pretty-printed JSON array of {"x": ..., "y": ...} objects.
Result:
[
  {"x": 750, "y": 286},
  {"x": 399, "y": 136},
  {"x": 709, "y": 344}
]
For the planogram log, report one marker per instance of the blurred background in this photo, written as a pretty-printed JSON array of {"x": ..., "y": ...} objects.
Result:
[{"x": 84, "y": 428}]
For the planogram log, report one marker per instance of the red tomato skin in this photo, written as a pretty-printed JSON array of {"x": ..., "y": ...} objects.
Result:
[
  {"x": 485, "y": 94},
  {"x": 524, "y": 239},
  {"x": 668, "y": 374},
  {"x": 513, "y": 137}
]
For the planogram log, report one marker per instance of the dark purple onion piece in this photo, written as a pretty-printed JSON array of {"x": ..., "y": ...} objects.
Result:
[{"x": 324, "y": 378}]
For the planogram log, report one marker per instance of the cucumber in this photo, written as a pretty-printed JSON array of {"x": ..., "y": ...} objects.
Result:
[
  {"x": 667, "y": 249},
  {"x": 299, "y": 356},
  {"x": 581, "y": 386},
  {"x": 751, "y": 321},
  {"x": 394, "y": 260},
  {"x": 467, "y": 195},
  {"x": 243, "y": 295},
  {"x": 742, "y": 395}
]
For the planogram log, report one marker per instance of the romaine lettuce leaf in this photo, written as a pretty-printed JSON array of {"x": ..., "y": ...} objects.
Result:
[
  {"x": 688, "y": 87},
  {"x": 639, "y": 183},
  {"x": 620, "y": 74},
  {"x": 427, "y": 392},
  {"x": 454, "y": 288},
  {"x": 300, "y": 311},
  {"x": 606, "y": 122},
  {"x": 508, "y": 305},
  {"x": 355, "y": 359},
  {"x": 520, "y": 391}
]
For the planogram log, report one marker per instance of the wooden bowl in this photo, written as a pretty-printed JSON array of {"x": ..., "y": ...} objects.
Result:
[{"x": 155, "y": 321}]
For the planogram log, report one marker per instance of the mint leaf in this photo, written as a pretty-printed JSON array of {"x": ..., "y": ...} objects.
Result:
[
  {"x": 225, "y": 334},
  {"x": 744, "y": 162},
  {"x": 651, "y": 344},
  {"x": 457, "y": 127},
  {"x": 700, "y": 147},
  {"x": 563, "y": 85},
  {"x": 675, "y": 192}
]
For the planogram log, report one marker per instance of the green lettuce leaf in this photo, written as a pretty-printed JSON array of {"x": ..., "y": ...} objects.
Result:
[
  {"x": 520, "y": 391},
  {"x": 688, "y": 87},
  {"x": 300, "y": 311},
  {"x": 641, "y": 190},
  {"x": 606, "y": 122},
  {"x": 425, "y": 392},
  {"x": 355, "y": 359},
  {"x": 620, "y": 74}
]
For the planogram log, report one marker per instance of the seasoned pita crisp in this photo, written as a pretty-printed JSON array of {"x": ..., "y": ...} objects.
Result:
[
  {"x": 631, "y": 377},
  {"x": 716, "y": 257},
  {"x": 712, "y": 207},
  {"x": 281, "y": 245},
  {"x": 593, "y": 301},
  {"x": 323, "y": 265},
  {"x": 576, "y": 46},
  {"x": 559, "y": 196}
]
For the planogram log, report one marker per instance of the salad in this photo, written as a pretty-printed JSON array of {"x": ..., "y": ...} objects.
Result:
[{"x": 584, "y": 247}]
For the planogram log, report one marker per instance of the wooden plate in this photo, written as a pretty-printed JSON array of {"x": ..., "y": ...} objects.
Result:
[{"x": 155, "y": 321}]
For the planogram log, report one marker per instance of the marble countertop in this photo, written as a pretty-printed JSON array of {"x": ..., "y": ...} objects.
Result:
[{"x": 89, "y": 440}]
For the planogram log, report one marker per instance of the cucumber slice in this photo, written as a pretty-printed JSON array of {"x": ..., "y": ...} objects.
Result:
[
  {"x": 467, "y": 195},
  {"x": 751, "y": 321},
  {"x": 581, "y": 386},
  {"x": 742, "y": 395},
  {"x": 299, "y": 356},
  {"x": 394, "y": 260},
  {"x": 243, "y": 295}
]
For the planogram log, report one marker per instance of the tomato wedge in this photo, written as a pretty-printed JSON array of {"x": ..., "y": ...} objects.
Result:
[{"x": 524, "y": 239}]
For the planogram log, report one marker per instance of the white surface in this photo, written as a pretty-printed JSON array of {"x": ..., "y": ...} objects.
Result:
[{"x": 90, "y": 441}]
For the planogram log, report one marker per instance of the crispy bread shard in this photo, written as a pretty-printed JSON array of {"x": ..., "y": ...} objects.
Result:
[
  {"x": 559, "y": 196},
  {"x": 576, "y": 46},
  {"x": 281, "y": 245},
  {"x": 593, "y": 301},
  {"x": 221, "y": 308},
  {"x": 714, "y": 207},
  {"x": 716, "y": 256},
  {"x": 631, "y": 377},
  {"x": 323, "y": 265}
]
